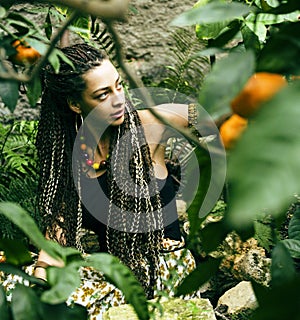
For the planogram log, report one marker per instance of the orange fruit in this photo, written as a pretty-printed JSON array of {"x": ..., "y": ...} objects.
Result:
[
  {"x": 260, "y": 87},
  {"x": 231, "y": 129},
  {"x": 26, "y": 55}
]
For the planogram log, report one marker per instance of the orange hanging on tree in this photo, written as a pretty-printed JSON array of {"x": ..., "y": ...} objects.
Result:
[
  {"x": 26, "y": 55},
  {"x": 261, "y": 87},
  {"x": 231, "y": 129}
]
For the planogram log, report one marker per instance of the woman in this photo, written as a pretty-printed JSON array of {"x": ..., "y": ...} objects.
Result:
[{"x": 103, "y": 169}]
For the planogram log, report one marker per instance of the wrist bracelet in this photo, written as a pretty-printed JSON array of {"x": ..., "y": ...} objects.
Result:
[{"x": 41, "y": 264}]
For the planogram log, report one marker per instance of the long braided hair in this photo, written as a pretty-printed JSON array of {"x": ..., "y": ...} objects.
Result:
[{"x": 59, "y": 199}]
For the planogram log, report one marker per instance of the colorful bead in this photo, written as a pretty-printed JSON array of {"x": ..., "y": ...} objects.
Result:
[
  {"x": 96, "y": 166},
  {"x": 89, "y": 162},
  {"x": 83, "y": 146}
]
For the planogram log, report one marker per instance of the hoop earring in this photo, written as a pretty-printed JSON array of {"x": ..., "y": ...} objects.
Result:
[{"x": 78, "y": 123}]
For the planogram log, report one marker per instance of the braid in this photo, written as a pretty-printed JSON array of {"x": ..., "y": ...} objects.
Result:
[
  {"x": 135, "y": 216},
  {"x": 58, "y": 200},
  {"x": 135, "y": 220}
]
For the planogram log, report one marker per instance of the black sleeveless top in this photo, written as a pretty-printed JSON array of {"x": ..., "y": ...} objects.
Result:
[{"x": 96, "y": 204}]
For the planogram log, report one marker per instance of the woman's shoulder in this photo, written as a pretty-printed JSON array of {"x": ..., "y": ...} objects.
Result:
[{"x": 146, "y": 116}]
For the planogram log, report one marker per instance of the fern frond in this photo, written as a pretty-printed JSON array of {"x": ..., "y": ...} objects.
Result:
[
  {"x": 186, "y": 74},
  {"x": 102, "y": 37}
]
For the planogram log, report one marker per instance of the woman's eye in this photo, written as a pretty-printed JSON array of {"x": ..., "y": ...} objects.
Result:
[
  {"x": 102, "y": 96},
  {"x": 119, "y": 85}
]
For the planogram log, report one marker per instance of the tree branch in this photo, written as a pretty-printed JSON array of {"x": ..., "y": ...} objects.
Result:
[{"x": 104, "y": 9}]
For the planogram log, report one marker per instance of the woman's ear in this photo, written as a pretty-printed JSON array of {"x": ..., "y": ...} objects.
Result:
[{"x": 74, "y": 106}]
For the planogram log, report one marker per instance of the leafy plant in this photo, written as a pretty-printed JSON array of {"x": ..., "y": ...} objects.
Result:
[
  {"x": 19, "y": 172},
  {"x": 48, "y": 299}
]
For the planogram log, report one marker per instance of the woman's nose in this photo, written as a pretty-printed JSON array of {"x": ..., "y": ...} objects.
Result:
[{"x": 118, "y": 98}]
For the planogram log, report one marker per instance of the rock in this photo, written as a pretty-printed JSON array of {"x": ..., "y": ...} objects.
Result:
[
  {"x": 174, "y": 309},
  {"x": 238, "y": 298}
]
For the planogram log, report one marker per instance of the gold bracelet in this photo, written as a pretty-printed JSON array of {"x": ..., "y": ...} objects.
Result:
[
  {"x": 41, "y": 264},
  {"x": 192, "y": 115}
]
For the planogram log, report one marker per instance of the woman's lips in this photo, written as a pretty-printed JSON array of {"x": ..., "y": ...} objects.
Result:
[{"x": 118, "y": 114}]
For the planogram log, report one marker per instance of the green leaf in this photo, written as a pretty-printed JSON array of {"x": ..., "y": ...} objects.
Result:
[
  {"x": 63, "y": 282},
  {"x": 212, "y": 235},
  {"x": 9, "y": 93},
  {"x": 15, "y": 252},
  {"x": 63, "y": 312},
  {"x": 277, "y": 303},
  {"x": 23, "y": 220},
  {"x": 25, "y": 304},
  {"x": 294, "y": 225},
  {"x": 48, "y": 26},
  {"x": 263, "y": 168},
  {"x": 280, "y": 54},
  {"x": 4, "y": 310},
  {"x": 213, "y": 12},
  {"x": 226, "y": 35},
  {"x": 225, "y": 81},
  {"x": 34, "y": 90},
  {"x": 203, "y": 272},
  {"x": 293, "y": 246},
  {"x": 251, "y": 40},
  {"x": 282, "y": 268},
  {"x": 122, "y": 277},
  {"x": 195, "y": 218}
]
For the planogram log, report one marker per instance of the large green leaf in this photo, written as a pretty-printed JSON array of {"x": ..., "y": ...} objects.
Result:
[
  {"x": 277, "y": 303},
  {"x": 121, "y": 276},
  {"x": 225, "y": 81},
  {"x": 203, "y": 272},
  {"x": 264, "y": 167},
  {"x": 63, "y": 282},
  {"x": 282, "y": 268},
  {"x": 25, "y": 304},
  {"x": 24, "y": 221},
  {"x": 64, "y": 312},
  {"x": 4, "y": 310},
  {"x": 211, "y": 13}
]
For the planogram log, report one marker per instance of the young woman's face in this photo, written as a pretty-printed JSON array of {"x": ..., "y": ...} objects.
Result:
[{"x": 104, "y": 94}]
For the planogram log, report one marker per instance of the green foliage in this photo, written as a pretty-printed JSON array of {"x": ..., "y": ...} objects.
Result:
[
  {"x": 185, "y": 75},
  {"x": 18, "y": 171},
  {"x": 61, "y": 281}
]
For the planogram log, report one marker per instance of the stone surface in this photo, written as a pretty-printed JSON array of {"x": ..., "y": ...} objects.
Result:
[
  {"x": 239, "y": 298},
  {"x": 174, "y": 309}
]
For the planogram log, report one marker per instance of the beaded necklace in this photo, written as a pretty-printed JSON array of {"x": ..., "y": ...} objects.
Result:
[{"x": 102, "y": 165}]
